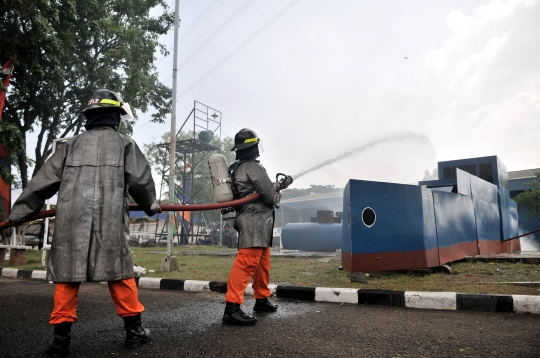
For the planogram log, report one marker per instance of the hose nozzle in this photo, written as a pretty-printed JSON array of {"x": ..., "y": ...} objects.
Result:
[{"x": 284, "y": 181}]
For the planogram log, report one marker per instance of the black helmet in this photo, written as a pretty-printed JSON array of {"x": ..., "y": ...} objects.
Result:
[
  {"x": 104, "y": 98},
  {"x": 245, "y": 139}
]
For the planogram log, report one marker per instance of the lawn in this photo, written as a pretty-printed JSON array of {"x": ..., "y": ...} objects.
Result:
[{"x": 467, "y": 276}]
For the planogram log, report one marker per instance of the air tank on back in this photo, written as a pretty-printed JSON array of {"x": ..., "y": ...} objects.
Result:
[{"x": 221, "y": 182}]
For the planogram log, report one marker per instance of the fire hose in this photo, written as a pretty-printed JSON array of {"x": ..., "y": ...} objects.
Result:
[
  {"x": 165, "y": 207},
  {"x": 196, "y": 207}
]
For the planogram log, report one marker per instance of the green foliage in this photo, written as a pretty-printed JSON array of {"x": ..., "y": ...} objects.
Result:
[
  {"x": 530, "y": 198},
  {"x": 64, "y": 50},
  {"x": 13, "y": 144},
  {"x": 291, "y": 193},
  {"x": 158, "y": 158}
]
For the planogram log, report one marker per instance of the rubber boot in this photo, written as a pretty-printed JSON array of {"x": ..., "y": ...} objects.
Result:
[
  {"x": 59, "y": 346},
  {"x": 264, "y": 305},
  {"x": 136, "y": 334},
  {"x": 234, "y": 315}
]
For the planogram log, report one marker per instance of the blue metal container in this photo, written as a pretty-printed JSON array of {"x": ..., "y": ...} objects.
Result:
[
  {"x": 456, "y": 228},
  {"x": 486, "y": 213},
  {"x": 388, "y": 226}
]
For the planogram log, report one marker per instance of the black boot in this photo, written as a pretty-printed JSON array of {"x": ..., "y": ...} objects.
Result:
[
  {"x": 59, "y": 347},
  {"x": 234, "y": 315},
  {"x": 264, "y": 305},
  {"x": 135, "y": 333}
]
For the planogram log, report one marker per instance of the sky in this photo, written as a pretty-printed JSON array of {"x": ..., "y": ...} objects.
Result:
[{"x": 427, "y": 80}]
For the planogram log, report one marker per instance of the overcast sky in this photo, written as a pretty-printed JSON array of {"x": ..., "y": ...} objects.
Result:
[{"x": 452, "y": 79}]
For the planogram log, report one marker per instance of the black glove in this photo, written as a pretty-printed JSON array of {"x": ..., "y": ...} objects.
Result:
[{"x": 154, "y": 209}]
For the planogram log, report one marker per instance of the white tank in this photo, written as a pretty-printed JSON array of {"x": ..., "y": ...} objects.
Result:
[{"x": 220, "y": 178}]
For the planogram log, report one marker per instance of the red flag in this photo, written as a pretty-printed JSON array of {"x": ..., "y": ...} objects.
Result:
[{"x": 7, "y": 69}]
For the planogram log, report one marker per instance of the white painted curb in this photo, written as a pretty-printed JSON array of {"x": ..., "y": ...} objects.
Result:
[
  {"x": 39, "y": 274},
  {"x": 339, "y": 295},
  {"x": 149, "y": 282},
  {"x": 196, "y": 286},
  {"x": 9, "y": 272},
  {"x": 249, "y": 290},
  {"x": 431, "y": 300},
  {"x": 526, "y": 304}
]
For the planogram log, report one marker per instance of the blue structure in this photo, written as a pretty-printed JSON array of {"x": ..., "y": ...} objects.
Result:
[
  {"x": 466, "y": 212},
  {"x": 311, "y": 236}
]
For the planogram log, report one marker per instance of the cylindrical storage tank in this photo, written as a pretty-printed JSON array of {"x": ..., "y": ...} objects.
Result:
[{"x": 311, "y": 237}]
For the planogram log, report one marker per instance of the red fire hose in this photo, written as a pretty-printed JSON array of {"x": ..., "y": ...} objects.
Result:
[{"x": 171, "y": 207}]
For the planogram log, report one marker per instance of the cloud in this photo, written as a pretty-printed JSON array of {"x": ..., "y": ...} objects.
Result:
[
  {"x": 464, "y": 29},
  {"x": 472, "y": 72}
]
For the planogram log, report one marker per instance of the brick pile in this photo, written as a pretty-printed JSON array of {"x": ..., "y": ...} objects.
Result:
[{"x": 17, "y": 257}]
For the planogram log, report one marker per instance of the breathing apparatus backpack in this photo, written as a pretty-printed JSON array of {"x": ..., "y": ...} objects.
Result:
[{"x": 221, "y": 178}]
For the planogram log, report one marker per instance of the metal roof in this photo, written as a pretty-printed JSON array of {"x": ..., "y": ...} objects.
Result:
[
  {"x": 523, "y": 174},
  {"x": 337, "y": 194}
]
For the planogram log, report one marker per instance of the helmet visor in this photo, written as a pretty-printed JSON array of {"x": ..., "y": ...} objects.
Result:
[
  {"x": 261, "y": 146},
  {"x": 127, "y": 109}
]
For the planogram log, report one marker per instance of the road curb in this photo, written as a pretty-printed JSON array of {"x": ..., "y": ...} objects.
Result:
[{"x": 410, "y": 299}]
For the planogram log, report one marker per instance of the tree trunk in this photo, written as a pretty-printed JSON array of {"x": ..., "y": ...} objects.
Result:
[
  {"x": 23, "y": 167},
  {"x": 6, "y": 234}
]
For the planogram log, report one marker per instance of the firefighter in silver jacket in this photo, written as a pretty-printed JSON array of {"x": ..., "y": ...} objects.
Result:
[
  {"x": 254, "y": 223},
  {"x": 93, "y": 174}
]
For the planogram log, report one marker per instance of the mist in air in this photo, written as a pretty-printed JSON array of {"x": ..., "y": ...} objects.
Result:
[{"x": 408, "y": 136}]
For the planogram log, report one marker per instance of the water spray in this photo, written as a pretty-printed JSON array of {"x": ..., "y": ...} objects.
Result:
[{"x": 396, "y": 137}]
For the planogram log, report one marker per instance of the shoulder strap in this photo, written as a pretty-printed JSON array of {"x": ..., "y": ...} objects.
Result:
[{"x": 232, "y": 170}]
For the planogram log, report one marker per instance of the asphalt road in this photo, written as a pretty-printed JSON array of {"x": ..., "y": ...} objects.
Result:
[{"x": 189, "y": 324}]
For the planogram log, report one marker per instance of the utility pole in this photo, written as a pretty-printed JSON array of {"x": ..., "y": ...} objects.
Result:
[{"x": 169, "y": 262}]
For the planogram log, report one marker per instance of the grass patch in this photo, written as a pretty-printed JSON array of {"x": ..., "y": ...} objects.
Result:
[{"x": 467, "y": 276}]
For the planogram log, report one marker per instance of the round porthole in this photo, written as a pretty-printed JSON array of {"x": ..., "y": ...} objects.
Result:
[{"x": 368, "y": 217}]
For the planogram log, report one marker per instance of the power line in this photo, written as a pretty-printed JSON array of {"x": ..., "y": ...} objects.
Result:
[
  {"x": 208, "y": 40},
  {"x": 198, "y": 19},
  {"x": 191, "y": 8},
  {"x": 189, "y": 29},
  {"x": 217, "y": 32},
  {"x": 255, "y": 34},
  {"x": 242, "y": 45}
]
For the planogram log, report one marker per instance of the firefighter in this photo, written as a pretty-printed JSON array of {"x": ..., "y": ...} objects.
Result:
[
  {"x": 93, "y": 174},
  {"x": 254, "y": 223}
]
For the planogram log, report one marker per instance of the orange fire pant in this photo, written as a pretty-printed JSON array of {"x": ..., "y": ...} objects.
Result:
[
  {"x": 250, "y": 262},
  {"x": 66, "y": 297}
]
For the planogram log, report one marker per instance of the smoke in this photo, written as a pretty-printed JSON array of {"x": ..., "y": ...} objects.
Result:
[
  {"x": 528, "y": 244},
  {"x": 395, "y": 137}
]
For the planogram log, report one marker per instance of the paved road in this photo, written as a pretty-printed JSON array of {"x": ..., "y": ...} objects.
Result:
[{"x": 189, "y": 324}]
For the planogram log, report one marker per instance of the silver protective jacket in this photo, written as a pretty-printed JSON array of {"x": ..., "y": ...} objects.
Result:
[
  {"x": 93, "y": 174},
  {"x": 254, "y": 221}
]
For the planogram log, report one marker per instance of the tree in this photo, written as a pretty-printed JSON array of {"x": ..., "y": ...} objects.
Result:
[
  {"x": 63, "y": 50},
  {"x": 433, "y": 176},
  {"x": 530, "y": 198},
  {"x": 10, "y": 134},
  {"x": 158, "y": 158}
]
